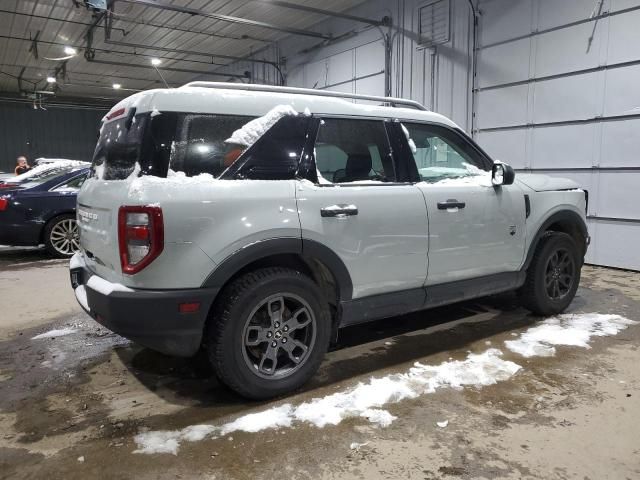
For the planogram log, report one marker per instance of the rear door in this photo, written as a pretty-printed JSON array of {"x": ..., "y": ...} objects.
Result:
[
  {"x": 376, "y": 224},
  {"x": 475, "y": 229}
]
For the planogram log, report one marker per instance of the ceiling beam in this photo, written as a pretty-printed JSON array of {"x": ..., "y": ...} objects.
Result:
[
  {"x": 304, "y": 8},
  {"x": 168, "y": 69},
  {"x": 110, "y": 51},
  {"x": 227, "y": 18}
]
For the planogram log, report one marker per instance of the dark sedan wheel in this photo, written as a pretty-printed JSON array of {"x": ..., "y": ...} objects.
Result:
[
  {"x": 61, "y": 236},
  {"x": 268, "y": 332},
  {"x": 553, "y": 276}
]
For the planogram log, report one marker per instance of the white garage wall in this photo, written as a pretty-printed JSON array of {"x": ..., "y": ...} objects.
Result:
[
  {"x": 558, "y": 92},
  {"x": 440, "y": 77}
]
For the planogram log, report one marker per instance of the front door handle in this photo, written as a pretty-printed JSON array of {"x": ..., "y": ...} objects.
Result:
[
  {"x": 451, "y": 203},
  {"x": 339, "y": 210}
]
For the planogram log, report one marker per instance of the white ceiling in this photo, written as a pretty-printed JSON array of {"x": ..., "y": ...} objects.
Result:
[{"x": 61, "y": 23}]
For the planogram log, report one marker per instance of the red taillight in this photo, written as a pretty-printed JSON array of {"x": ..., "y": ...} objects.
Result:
[
  {"x": 9, "y": 185},
  {"x": 4, "y": 202},
  {"x": 140, "y": 236},
  {"x": 190, "y": 307}
]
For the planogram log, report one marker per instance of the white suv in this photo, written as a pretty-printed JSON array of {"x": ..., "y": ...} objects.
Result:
[{"x": 253, "y": 222}]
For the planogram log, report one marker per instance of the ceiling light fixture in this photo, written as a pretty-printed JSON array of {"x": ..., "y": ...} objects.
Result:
[
  {"x": 117, "y": 86},
  {"x": 70, "y": 50},
  {"x": 51, "y": 79},
  {"x": 155, "y": 62}
]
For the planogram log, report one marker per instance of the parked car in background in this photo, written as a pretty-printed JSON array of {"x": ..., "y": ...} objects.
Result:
[{"x": 39, "y": 207}]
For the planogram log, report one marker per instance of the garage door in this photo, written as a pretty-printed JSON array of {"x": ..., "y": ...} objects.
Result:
[{"x": 557, "y": 93}]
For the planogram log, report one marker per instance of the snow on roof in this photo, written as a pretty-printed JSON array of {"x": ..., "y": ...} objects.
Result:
[
  {"x": 258, "y": 103},
  {"x": 50, "y": 165}
]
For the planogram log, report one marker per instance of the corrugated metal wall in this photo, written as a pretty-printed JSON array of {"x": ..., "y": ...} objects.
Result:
[
  {"x": 559, "y": 93},
  {"x": 58, "y": 132},
  {"x": 438, "y": 77}
]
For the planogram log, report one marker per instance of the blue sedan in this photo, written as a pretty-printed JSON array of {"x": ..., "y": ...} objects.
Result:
[{"x": 41, "y": 208}]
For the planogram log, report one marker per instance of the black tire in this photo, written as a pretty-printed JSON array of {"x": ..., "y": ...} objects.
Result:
[
  {"x": 548, "y": 290},
  {"x": 243, "y": 366},
  {"x": 52, "y": 235}
]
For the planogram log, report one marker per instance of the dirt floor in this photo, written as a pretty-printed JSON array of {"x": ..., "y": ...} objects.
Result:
[{"x": 71, "y": 404}]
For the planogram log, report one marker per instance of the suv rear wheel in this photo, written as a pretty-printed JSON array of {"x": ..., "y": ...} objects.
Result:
[
  {"x": 553, "y": 276},
  {"x": 61, "y": 238},
  {"x": 269, "y": 332}
]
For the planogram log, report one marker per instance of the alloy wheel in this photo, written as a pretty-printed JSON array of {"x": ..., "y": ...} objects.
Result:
[
  {"x": 559, "y": 274},
  {"x": 279, "y": 336},
  {"x": 65, "y": 237}
]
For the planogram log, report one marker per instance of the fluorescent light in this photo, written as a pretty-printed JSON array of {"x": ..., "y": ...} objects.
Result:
[
  {"x": 51, "y": 79},
  {"x": 70, "y": 50},
  {"x": 117, "y": 86},
  {"x": 155, "y": 62}
]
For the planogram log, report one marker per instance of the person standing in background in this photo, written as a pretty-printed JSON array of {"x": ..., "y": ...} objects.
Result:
[{"x": 21, "y": 165}]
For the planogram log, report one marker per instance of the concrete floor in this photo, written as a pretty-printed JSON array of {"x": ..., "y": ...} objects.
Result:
[{"x": 71, "y": 405}]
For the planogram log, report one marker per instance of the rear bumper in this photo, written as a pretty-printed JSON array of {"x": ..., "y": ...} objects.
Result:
[{"x": 149, "y": 317}]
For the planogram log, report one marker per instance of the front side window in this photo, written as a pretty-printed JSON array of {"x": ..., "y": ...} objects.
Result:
[
  {"x": 351, "y": 150},
  {"x": 439, "y": 153}
]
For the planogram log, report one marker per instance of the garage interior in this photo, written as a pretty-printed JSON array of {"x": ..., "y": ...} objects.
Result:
[{"x": 546, "y": 86}]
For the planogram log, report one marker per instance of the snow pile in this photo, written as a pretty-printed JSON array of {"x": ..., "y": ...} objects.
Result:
[
  {"x": 361, "y": 401},
  {"x": 50, "y": 166},
  {"x": 253, "y": 130},
  {"x": 59, "y": 332},
  {"x": 366, "y": 399},
  {"x": 571, "y": 330}
]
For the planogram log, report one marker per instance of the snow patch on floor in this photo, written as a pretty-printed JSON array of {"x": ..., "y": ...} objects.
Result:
[
  {"x": 58, "y": 332},
  {"x": 364, "y": 400},
  {"x": 573, "y": 330}
]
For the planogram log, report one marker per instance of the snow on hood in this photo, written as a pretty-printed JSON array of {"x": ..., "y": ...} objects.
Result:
[
  {"x": 545, "y": 183},
  {"x": 254, "y": 129}
]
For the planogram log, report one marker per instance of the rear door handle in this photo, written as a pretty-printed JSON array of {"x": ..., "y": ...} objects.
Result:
[
  {"x": 339, "y": 210},
  {"x": 451, "y": 203}
]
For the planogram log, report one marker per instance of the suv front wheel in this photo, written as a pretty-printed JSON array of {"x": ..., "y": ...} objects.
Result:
[
  {"x": 269, "y": 332},
  {"x": 553, "y": 276}
]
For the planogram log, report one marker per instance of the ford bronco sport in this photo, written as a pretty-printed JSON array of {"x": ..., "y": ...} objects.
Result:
[{"x": 252, "y": 223}]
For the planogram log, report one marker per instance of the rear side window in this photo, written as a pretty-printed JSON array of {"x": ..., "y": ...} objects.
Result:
[
  {"x": 200, "y": 145},
  {"x": 348, "y": 150},
  {"x": 72, "y": 185},
  {"x": 119, "y": 147},
  {"x": 275, "y": 155}
]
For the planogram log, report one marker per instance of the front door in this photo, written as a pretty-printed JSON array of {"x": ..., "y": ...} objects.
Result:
[
  {"x": 376, "y": 225},
  {"x": 475, "y": 228}
]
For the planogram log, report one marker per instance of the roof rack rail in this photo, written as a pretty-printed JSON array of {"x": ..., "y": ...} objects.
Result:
[{"x": 307, "y": 91}]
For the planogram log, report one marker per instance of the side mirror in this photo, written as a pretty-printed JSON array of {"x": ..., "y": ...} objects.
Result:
[{"x": 502, "y": 174}]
